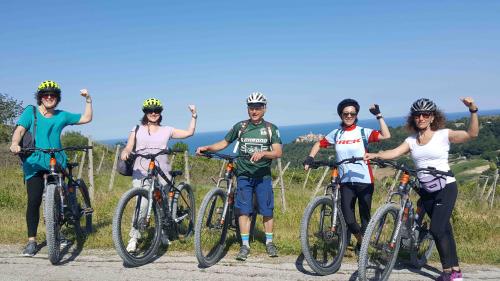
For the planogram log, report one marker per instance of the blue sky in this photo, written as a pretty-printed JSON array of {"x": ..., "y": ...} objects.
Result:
[{"x": 304, "y": 56}]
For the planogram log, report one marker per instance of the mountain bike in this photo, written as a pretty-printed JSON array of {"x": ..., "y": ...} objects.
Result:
[
  {"x": 67, "y": 202},
  {"x": 396, "y": 224},
  {"x": 323, "y": 230},
  {"x": 154, "y": 213},
  {"x": 216, "y": 215}
]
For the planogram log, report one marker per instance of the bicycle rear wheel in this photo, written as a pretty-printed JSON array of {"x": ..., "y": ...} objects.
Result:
[
  {"x": 53, "y": 222},
  {"x": 211, "y": 228},
  {"x": 84, "y": 209},
  {"x": 322, "y": 244},
  {"x": 184, "y": 211},
  {"x": 378, "y": 255},
  {"x": 131, "y": 224},
  {"x": 421, "y": 249}
]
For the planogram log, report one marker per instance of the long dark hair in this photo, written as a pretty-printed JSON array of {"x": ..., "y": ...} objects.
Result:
[
  {"x": 438, "y": 123},
  {"x": 145, "y": 121}
]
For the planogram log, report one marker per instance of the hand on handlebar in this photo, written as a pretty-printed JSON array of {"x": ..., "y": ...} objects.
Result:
[
  {"x": 369, "y": 156},
  {"x": 308, "y": 162},
  {"x": 15, "y": 148},
  {"x": 201, "y": 150}
]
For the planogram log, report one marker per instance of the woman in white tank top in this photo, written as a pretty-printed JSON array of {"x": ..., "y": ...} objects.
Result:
[{"x": 428, "y": 146}]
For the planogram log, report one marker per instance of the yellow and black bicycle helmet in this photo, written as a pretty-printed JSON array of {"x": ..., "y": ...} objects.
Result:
[
  {"x": 151, "y": 103},
  {"x": 49, "y": 86}
]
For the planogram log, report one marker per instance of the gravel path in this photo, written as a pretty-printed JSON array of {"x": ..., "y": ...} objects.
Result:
[{"x": 106, "y": 265}]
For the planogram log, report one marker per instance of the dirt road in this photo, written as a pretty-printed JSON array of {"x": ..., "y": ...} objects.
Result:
[{"x": 106, "y": 265}]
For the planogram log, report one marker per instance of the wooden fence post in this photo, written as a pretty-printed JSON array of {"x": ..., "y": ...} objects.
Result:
[
  {"x": 484, "y": 187},
  {"x": 318, "y": 186},
  {"x": 90, "y": 171},
  {"x": 280, "y": 171},
  {"x": 113, "y": 171},
  {"x": 307, "y": 178},
  {"x": 493, "y": 189},
  {"x": 222, "y": 168},
  {"x": 98, "y": 171},
  {"x": 186, "y": 167},
  {"x": 280, "y": 179},
  {"x": 82, "y": 163}
]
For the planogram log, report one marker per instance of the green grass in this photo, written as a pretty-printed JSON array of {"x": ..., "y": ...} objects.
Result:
[{"x": 476, "y": 227}]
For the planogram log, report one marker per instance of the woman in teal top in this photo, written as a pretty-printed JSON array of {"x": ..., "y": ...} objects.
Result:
[{"x": 49, "y": 124}]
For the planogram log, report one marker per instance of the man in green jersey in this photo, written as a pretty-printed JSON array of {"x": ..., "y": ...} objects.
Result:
[{"x": 261, "y": 142}]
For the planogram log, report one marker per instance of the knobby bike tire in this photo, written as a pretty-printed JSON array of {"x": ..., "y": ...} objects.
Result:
[
  {"x": 210, "y": 227},
  {"x": 333, "y": 244},
  {"x": 119, "y": 224},
  {"x": 184, "y": 209},
  {"x": 420, "y": 254},
  {"x": 375, "y": 227},
  {"x": 52, "y": 222}
]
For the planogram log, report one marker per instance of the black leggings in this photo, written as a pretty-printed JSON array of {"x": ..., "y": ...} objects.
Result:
[
  {"x": 439, "y": 206},
  {"x": 34, "y": 186},
  {"x": 349, "y": 193}
]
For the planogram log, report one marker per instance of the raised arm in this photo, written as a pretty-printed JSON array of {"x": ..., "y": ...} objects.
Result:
[
  {"x": 181, "y": 134},
  {"x": 87, "y": 114},
  {"x": 463, "y": 136},
  {"x": 389, "y": 154},
  {"x": 384, "y": 130}
]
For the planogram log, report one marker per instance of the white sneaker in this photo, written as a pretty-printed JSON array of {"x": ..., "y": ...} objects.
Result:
[{"x": 132, "y": 245}]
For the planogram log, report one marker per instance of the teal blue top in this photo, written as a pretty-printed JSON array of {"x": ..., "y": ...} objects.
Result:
[{"x": 48, "y": 135}]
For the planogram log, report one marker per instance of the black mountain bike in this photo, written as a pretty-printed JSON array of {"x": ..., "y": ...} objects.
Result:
[
  {"x": 153, "y": 213},
  {"x": 396, "y": 225},
  {"x": 67, "y": 202},
  {"x": 216, "y": 215},
  {"x": 323, "y": 230}
]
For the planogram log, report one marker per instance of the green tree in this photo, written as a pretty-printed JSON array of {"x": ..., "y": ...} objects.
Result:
[
  {"x": 9, "y": 109},
  {"x": 181, "y": 146}
]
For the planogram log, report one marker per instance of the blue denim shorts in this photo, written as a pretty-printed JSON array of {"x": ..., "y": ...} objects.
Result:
[{"x": 263, "y": 190}]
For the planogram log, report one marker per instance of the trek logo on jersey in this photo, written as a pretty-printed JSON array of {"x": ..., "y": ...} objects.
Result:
[{"x": 348, "y": 141}]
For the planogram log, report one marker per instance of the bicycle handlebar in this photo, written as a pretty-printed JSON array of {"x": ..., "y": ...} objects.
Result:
[
  {"x": 54, "y": 150},
  {"x": 151, "y": 156},
  {"x": 399, "y": 166},
  {"x": 226, "y": 157},
  {"x": 333, "y": 164}
]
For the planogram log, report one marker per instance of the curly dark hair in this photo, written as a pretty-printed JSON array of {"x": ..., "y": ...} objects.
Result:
[
  {"x": 438, "y": 123},
  {"x": 144, "y": 120}
]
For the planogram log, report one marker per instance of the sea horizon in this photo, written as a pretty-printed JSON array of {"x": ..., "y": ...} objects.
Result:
[{"x": 289, "y": 133}]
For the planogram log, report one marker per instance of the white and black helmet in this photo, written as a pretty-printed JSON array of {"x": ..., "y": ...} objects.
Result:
[
  {"x": 256, "y": 98},
  {"x": 423, "y": 105}
]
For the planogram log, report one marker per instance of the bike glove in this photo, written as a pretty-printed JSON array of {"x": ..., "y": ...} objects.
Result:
[
  {"x": 375, "y": 110},
  {"x": 309, "y": 161}
]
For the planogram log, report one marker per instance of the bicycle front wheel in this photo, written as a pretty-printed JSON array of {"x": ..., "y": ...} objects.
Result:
[
  {"x": 210, "y": 230},
  {"x": 378, "y": 254},
  {"x": 53, "y": 222},
  {"x": 135, "y": 236},
  {"x": 323, "y": 244},
  {"x": 183, "y": 211}
]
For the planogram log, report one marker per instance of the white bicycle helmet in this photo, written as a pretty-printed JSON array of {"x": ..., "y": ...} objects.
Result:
[
  {"x": 423, "y": 105},
  {"x": 256, "y": 98}
]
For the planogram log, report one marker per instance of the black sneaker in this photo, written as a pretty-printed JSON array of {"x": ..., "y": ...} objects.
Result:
[
  {"x": 243, "y": 254},
  {"x": 30, "y": 249},
  {"x": 271, "y": 250}
]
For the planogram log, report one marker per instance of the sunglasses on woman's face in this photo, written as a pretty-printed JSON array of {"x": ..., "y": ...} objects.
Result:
[
  {"x": 154, "y": 110},
  {"x": 347, "y": 114},
  {"x": 425, "y": 115},
  {"x": 49, "y": 95}
]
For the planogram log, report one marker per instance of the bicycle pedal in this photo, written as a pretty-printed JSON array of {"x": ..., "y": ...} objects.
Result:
[{"x": 87, "y": 211}]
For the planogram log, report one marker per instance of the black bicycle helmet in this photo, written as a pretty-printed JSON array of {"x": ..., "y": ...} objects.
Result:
[
  {"x": 347, "y": 102},
  {"x": 423, "y": 105}
]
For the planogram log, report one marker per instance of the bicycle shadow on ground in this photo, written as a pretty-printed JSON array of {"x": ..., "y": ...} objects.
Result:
[
  {"x": 299, "y": 265},
  {"x": 400, "y": 266},
  {"x": 73, "y": 249}
]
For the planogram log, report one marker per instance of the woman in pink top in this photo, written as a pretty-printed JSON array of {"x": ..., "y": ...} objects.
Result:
[{"x": 150, "y": 138}]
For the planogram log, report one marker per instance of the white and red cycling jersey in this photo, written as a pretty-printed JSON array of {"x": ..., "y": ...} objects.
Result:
[{"x": 350, "y": 142}]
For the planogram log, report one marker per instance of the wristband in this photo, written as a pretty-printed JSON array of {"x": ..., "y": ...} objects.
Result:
[
  {"x": 380, "y": 117},
  {"x": 473, "y": 110},
  {"x": 194, "y": 116}
]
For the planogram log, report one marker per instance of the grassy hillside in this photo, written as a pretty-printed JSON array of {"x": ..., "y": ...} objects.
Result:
[{"x": 477, "y": 228}]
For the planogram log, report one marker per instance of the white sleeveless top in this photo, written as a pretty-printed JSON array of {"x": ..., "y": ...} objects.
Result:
[{"x": 432, "y": 154}]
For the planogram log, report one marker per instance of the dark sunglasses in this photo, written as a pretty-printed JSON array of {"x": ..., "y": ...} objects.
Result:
[
  {"x": 426, "y": 115},
  {"x": 153, "y": 110},
  {"x": 346, "y": 114},
  {"x": 48, "y": 95}
]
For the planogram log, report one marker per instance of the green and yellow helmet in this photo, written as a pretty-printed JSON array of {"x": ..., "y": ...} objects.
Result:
[
  {"x": 151, "y": 104},
  {"x": 49, "y": 86}
]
